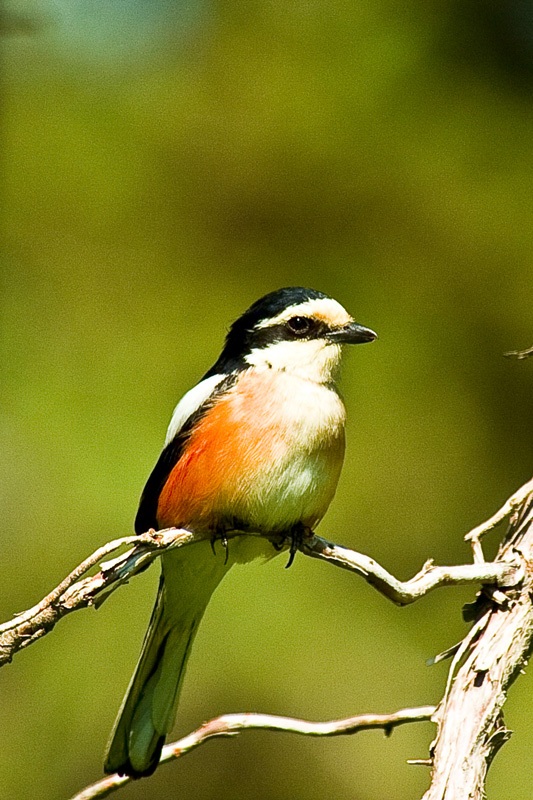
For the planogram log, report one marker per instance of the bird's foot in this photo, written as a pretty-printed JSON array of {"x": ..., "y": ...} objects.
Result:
[
  {"x": 220, "y": 535},
  {"x": 297, "y": 534}
]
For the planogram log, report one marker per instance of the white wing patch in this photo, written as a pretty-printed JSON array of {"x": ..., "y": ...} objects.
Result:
[{"x": 191, "y": 402}]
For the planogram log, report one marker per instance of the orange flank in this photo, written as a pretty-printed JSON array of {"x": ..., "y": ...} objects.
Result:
[{"x": 245, "y": 466}]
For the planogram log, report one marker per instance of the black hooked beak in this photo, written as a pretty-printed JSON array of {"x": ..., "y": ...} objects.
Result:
[{"x": 353, "y": 333}]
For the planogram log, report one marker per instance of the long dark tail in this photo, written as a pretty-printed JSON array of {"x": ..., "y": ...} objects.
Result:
[{"x": 147, "y": 714}]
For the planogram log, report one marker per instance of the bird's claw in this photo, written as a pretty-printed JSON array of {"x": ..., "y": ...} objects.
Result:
[
  {"x": 220, "y": 536},
  {"x": 297, "y": 534}
]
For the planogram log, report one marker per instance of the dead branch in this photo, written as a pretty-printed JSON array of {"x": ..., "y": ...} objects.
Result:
[
  {"x": 470, "y": 722},
  {"x": 233, "y": 724},
  {"x": 469, "y": 718},
  {"x": 520, "y": 354},
  {"x": 430, "y": 576},
  {"x": 75, "y": 592}
]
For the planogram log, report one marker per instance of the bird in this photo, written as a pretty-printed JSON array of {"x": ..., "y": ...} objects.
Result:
[{"x": 256, "y": 447}]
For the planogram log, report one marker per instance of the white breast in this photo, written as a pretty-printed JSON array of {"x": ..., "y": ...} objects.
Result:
[{"x": 298, "y": 481}]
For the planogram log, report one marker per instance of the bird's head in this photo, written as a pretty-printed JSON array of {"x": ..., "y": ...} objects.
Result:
[{"x": 295, "y": 330}]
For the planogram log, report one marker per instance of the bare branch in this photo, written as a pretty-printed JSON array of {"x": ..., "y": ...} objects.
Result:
[
  {"x": 511, "y": 506},
  {"x": 233, "y": 724},
  {"x": 520, "y": 354},
  {"x": 470, "y": 722},
  {"x": 74, "y": 593},
  {"x": 469, "y": 718},
  {"x": 430, "y": 577}
]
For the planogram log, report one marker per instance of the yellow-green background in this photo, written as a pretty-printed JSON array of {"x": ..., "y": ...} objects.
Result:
[{"x": 166, "y": 163}]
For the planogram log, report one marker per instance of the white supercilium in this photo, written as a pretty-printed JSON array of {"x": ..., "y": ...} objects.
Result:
[{"x": 324, "y": 308}]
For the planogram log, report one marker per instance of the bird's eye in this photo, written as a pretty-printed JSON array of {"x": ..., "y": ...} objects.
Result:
[{"x": 299, "y": 325}]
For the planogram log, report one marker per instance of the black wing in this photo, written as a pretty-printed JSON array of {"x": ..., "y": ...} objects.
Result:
[{"x": 147, "y": 514}]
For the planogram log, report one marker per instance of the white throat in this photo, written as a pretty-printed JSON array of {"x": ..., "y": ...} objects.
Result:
[{"x": 314, "y": 360}]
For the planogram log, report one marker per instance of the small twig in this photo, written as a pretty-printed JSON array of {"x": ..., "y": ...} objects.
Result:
[
  {"x": 460, "y": 652},
  {"x": 505, "y": 513},
  {"x": 430, "y": 577},
  {"x": 519, "y": 353},
  {"x": 516, "y": 501},
  {"x": 233, "y": 724}
]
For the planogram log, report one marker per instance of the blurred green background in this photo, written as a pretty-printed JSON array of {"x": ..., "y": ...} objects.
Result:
[{"x": 166, "y": 163}]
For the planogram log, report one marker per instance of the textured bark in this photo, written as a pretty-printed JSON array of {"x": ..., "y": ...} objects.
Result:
[{"x": 470, "y": 722}]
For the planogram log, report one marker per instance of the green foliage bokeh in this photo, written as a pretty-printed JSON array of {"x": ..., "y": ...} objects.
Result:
[{"x": 163, "y": 167}]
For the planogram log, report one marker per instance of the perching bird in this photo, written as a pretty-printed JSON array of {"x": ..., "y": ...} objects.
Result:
[{"x": 257, "y": 445}]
